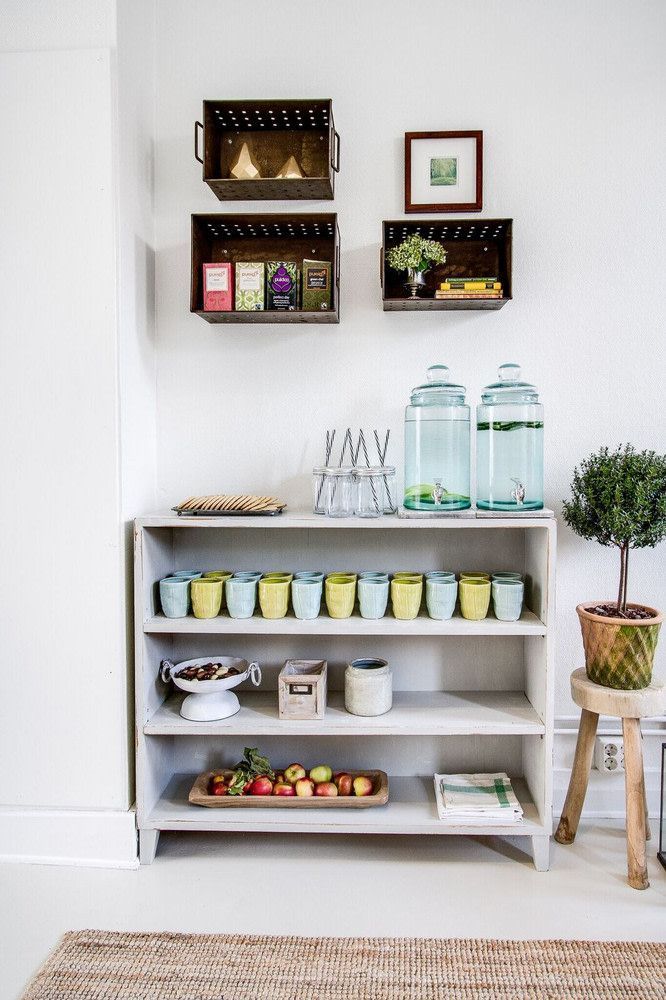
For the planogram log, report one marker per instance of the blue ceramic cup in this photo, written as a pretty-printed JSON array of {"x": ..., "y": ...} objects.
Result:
[
  {"x": 372, "y": 596},
  {"x": 367, "y": 575},
  {"x": 440, "y": 574},
  {"x": 506, "y": 576},
  {"x": 441, "y": 593},
  {"x": 241, "y": 595},
  {"x": 247, "y": 575},
  {"x": 188, "y": 574},
  {"x": 308, "y": 575},
  {"x": 508, "y": 599},
  {"x": 306, "y": 597},
  {"x": 175, "y": 596}
]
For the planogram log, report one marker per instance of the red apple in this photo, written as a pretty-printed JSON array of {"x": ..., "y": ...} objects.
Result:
[
  {"x": 283, "y": 788},
  {"x": 294, "y": 773},
  {"x": 343, "y": 782},
  {"x": 261, "y": 786},
  {"x": 220, "y": 789},
  {"x": 362, "y": 785},
  {"x": 304, "y": 788},
  {"x": 326, "y": 788}
]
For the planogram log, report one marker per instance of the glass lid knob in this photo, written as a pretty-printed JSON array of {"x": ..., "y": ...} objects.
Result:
[
  {"x": 509, "y": 373},
  {"x": 438, "y": 373}
]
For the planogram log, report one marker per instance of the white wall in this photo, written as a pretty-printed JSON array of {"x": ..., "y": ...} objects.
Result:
[{"x": 570, "y": 98}]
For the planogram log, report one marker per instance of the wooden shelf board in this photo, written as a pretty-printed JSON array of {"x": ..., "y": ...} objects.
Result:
[
  {"x": 306, "y": 519},
  {"x": 410, "y": 810},
  {"x": 437, "y": 305},
  {"x": 426, "y": 713},
  {"x": 269, "y": 316},
  {"x": 528, "y": 624}
]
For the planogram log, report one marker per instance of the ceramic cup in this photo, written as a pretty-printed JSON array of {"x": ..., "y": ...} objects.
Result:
[
  {"x": 440, "y": 574},
  {"x": 309, "y": 575},
  {"x": 306, "y": 597},
  {"x": 274, "y": 596},
  {"x": 222, "y": 575},
  {"x": 241, "y": 596},
  {"x": 206, "y": 597},
  {"x": 342, "y": 572},
  {"x": 406, "y": 597},
  {"x": 408, "y": 575},
  {"x": 508, "y": 599},
  {"x": 507, "y": 576},
  {"x": 175, "y": 596},
  {"x": 474, "y": 598},
  {"x": 278, "y": 576},
  {"x": 372, "y": 596},
  {"x": 441, "y": 593},
  {"x": 247, "y": 574},
  {"x": 368, "y": 575},
  {"x": 340, "y": 594},
  {"x": 368, "y": 687},
  {"x": 474, "y": 576},
  {"x": 189, "y": 574}
]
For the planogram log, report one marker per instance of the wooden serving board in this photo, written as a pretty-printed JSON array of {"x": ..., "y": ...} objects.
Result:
[{"x": 199, "y": 796}]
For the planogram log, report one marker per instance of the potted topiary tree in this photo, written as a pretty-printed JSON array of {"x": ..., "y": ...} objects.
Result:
[{"x": 619, "y": 498}]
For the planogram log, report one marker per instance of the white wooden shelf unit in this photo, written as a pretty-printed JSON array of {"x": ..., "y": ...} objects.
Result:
[{"x": 468, "y": 696}]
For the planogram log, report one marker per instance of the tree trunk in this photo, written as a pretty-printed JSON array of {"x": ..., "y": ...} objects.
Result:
[
  {"x": 626, "y": 577},
  {"x": 620, "y": 590}
]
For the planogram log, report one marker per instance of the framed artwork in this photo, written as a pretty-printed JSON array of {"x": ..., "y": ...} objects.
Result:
[{"x": 443, "y": 171}]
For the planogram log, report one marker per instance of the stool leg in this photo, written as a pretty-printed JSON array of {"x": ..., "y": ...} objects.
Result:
[
  {"x": 580, "y": 773},
  {"x": 633, "y": 775},
  {"x": 648, "y": 832}
]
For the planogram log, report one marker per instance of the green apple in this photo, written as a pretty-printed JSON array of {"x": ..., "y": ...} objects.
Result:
[{"x": 321, "y": 773}]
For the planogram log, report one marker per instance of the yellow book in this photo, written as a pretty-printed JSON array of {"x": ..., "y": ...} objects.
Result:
[{"x": 471, "y": 286}]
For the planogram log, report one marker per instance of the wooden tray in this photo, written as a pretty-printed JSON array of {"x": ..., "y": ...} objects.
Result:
[{"x": 199, "y": 796}]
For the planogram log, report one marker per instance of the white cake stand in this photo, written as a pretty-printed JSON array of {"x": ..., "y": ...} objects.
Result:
[{"x": 210, "y": 701}]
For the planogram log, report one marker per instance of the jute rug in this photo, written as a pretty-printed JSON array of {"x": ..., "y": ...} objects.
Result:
[{"x": 103, "y": 965}]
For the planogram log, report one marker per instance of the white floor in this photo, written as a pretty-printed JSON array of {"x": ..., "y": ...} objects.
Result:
[{"x": 437, "y": 886}]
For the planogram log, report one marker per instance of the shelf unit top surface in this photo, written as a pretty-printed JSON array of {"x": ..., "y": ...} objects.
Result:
[
  {"x": 428, "y": 713},
  {"x": 302, "y": 519},
  {"x": 528, "y": 624},
  {"x": 411, "y": 809}
]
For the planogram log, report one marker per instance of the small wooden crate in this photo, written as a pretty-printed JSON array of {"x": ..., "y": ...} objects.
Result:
[{"x": 302, "y": 689}]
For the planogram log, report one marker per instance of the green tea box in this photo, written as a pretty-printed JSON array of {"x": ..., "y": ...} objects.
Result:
[
  {"x": 281, "y": 285},
  {"x": 249, "y": 286},
  {"x": 316, "y": 285}
]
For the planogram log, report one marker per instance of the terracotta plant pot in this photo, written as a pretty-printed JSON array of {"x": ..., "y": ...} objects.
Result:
[{"x": 619, "y": 652}]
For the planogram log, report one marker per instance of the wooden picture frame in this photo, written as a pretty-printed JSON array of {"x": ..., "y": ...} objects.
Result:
[{"x": 444, "y": 171}]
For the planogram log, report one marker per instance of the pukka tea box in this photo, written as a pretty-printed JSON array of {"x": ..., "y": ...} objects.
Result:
[
  {"x": 217, "y": 295},
  {"x": 249, "y": 286},
  {"x": 281, "y": 285},
  {"x": 316, "y": 285}
]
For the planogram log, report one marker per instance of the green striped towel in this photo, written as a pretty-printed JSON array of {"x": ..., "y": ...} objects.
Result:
[{"x": 477, "y": 798}]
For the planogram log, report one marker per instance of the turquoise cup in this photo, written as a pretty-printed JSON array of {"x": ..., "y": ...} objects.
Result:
[
  {"x": 175, "y": 596},
  {"x": 241, "y": 596},
  {"x": 440, "y": 574},
  {"x": 306, "y": 597},
  {"x": 441, "y": 593},
  {"x": 372, "y": 596},
  {"x": 506, "y": 576},
  {"x": 508, "y": 599},
  {"x": 188, "y": 574},
  {"x": 373, "y": 576},
  {"x": 307, "y": 575},
  {"x": 247, "y": 575}
]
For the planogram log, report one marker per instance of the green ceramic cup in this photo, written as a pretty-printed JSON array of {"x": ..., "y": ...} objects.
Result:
[
  {"x": 474, "y": 576},
  {"x": 474, "y": 598},
  {"x": 408, "y": 575},
  {"x": 340, "y": 595},
  {"x": 406, "y": 597},
  {"x": 278, "y": 576},
  {"x": 274, "y": 596},
  {"x": 222, "y": 575},
  {"x": 206, "y": 597}
]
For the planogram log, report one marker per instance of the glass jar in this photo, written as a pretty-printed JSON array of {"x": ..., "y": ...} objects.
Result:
[
  {"x": 437, "y": 445},
  {"x": 318, "y": 491},
  {"x": 389, "y": 489},
  {"x": 339, "y": 490},
  {"x": 509, "y": 444},
  {"x": 369, "y": 489}
]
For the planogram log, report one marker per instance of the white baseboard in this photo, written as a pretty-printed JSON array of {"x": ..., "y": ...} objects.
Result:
[{"x": 83, "y": 838}]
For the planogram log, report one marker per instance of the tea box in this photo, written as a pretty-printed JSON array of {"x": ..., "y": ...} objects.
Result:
[
  {"x": 217, "y": 287},
  {"x": 281, "y": 285},
  {"x": 316, "y": 285},
  {"x": 249, "y": 286}
]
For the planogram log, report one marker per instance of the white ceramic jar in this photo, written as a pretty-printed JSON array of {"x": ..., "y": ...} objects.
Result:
[{"x": 368, "y": 687}]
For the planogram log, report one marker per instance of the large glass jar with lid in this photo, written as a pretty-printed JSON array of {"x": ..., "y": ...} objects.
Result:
[
  {"x": 509, "y": 444},
  {"x": 437, "y": 445}
]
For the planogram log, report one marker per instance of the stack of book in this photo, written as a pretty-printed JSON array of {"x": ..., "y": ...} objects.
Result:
[
  {"x": 477, "y": 799},
  {"x": 470, "y": 288}
]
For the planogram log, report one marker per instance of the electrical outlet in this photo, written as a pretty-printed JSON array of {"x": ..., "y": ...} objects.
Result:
[{"x": 609, "y": 754}]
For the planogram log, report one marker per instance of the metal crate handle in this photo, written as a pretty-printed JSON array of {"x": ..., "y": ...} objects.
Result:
[
  {"x": 335, "y": 152},
  {"x": 196, "y": 141}
]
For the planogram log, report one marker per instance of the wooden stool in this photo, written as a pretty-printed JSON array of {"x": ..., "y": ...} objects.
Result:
[{"x": 631, "y": 707}]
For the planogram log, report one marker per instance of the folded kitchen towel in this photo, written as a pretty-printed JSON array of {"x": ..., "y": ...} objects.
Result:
[{"x": 477, "y": 799}]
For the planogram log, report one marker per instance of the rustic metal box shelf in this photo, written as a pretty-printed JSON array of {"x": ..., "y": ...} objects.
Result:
[
  {"x": 274, "y": 131},
  {"x": 474, "y": 249},
  {"x": 286, "y": 237}
]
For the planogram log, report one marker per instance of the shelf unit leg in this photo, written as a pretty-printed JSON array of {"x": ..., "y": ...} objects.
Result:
[
  {"x": 541, "y": 853},
  {"x": 580, "y": 773},
  {"x": 148, "y": 846},
  {"x": 635, "y": 794}
]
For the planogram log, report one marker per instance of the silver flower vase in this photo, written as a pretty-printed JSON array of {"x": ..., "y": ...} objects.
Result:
[{"x": 415, "y": 282}]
